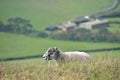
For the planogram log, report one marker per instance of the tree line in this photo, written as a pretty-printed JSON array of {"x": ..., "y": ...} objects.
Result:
[
  {"x": 22, "y": 26},
  {"x": 102, "y": 35}
]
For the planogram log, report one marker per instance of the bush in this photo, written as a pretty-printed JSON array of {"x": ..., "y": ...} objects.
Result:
[{"x": 103, "y": 35}]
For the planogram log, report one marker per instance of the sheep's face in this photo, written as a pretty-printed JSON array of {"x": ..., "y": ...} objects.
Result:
[{"x": 50, "y": 54}]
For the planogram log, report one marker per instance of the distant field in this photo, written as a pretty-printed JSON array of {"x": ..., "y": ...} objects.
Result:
[
  {"x": 12, "y": 45},
  {"x": 42, "y": 13},
  {"x": 114, "y": 27}
]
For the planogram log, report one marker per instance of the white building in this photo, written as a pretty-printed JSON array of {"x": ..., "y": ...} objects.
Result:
[
  {"x": 67, "y": 26},
  {"x": 94, "y": 24}
]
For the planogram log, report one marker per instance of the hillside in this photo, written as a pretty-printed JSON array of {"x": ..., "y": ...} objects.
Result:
[
  {"x": 42, "y": 13},
  {"x": 12, "y": 45}
]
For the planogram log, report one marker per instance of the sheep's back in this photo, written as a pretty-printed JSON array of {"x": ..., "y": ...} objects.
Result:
[{"x": 76, "y": 55}]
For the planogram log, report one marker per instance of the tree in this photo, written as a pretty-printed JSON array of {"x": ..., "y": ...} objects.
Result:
[
  {"x": 1, "y": 26},
  {"x": 19, "y": 25},
  {"x": 103, "y": 33}
]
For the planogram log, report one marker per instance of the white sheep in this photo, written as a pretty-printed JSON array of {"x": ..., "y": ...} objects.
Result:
[{"x": 61, "y": 57}]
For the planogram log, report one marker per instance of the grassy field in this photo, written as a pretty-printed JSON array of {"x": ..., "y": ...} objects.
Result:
[
  {"x": 12, "y": 45},
  {"x": 42, "y": 13},
  {"x": 104, "y": 67},
  {"x": 114, "y": 27}
]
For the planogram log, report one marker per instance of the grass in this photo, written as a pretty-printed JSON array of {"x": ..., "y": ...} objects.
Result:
[
  {"x": 12, "y": 45},
  {"x": 43, "y": 13},
  {"x": 103, "y": 68},
  {"x": 99, "y": 55},
  {"x": 114, "y": 27}
]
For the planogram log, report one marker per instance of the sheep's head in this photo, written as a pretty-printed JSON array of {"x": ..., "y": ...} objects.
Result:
[{"x": 51, "y": 53}]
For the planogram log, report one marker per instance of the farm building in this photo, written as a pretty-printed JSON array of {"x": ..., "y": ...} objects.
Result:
[
  {"x": 68, "y": 26},
  {"x": 94, "y": 24},
  {"x": 81, "y": 20},
  {"x": 51, "y": 28}
]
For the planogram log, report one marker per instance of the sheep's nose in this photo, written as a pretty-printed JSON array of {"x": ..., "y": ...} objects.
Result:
[{"x": 44, "y": 56}]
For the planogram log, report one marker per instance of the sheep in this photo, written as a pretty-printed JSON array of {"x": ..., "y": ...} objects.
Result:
[{"x": 62, "y": 57}]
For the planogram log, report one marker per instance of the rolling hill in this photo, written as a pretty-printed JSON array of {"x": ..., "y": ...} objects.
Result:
[
  {"x": 42, "y": 13},
  {"x": 12, "y": 45}
]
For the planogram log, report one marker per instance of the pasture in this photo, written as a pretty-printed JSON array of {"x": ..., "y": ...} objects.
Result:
[
  {"x": 43, "y": 13},
  {"x": 12, "y": 45},
  {"x": 105, "y": 67}
]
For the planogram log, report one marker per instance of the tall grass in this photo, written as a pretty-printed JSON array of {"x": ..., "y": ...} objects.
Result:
[{"x": 104, "y": 68}]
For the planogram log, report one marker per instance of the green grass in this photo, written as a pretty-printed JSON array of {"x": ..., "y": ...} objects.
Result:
[
  {"x": 12, "y": 45},
  {"x": 105, "y": 54},
  {"x": 42, "y": 13},
  {"x": 114, "y": 27}
]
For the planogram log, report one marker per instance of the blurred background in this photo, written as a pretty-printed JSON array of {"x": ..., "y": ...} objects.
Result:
[{"x": 29, "y": 27}]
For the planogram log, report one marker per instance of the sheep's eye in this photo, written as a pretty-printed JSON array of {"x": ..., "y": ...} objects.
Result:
[
  {"x": 49, "y": 51},
  {"x": 48, "y": 54},
  {"x": 52, "y": 53}
]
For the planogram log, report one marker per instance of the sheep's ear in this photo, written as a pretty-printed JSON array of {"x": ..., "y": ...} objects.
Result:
[{"x": 55, "y": 48}]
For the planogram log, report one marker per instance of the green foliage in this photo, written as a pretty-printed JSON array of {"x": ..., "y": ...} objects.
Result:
[
  {"x": 102, "y": 35},
  {"x": 16, "y": 25},
  {"x": 21, "y": 26},
  {"x": 1, "y": 26}
]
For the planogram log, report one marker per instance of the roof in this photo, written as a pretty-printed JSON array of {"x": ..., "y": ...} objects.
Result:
[{"x": 96, "y": 22}]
